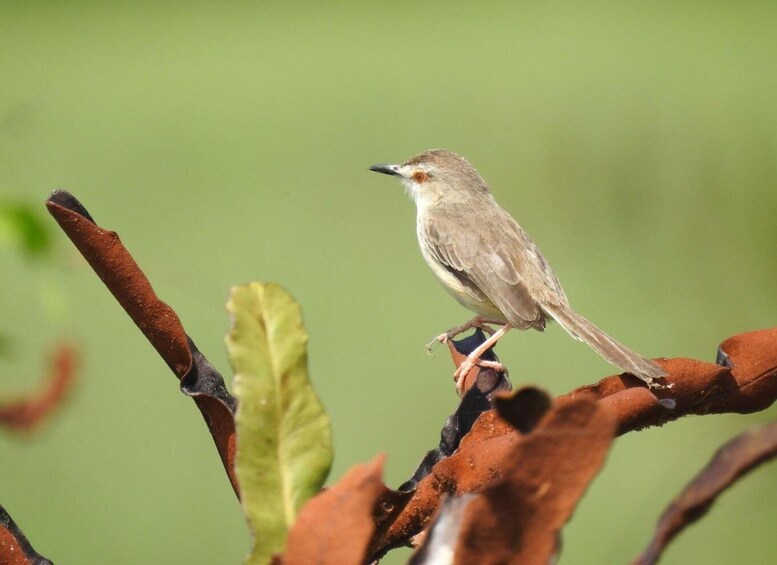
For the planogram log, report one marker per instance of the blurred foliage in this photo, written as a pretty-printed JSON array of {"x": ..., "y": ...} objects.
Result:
[
  {"x": 636, "y": 142},
  {"x": 25, "y": 226}
]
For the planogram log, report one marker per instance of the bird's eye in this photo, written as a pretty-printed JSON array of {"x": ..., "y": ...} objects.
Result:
[{"x": 420, "y": 177}]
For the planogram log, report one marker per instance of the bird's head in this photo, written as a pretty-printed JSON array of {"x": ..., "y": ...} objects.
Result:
[{"x": 436, "y": 175}]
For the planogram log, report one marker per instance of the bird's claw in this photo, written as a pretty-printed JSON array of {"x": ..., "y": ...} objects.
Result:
[{"x": 442, "y": 338}]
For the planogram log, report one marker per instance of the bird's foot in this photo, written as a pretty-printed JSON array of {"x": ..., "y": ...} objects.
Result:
[
  {"x": 476, "y": 322},
  {"x": 460, "y": 375},
  {"x": 442, "y": 338}
]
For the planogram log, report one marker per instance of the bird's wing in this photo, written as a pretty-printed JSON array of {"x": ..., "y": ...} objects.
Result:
[
  {"x": 517, "y": 244},
  {"x": 445, "y": 254},
  {"x": 493, "y": 263}
]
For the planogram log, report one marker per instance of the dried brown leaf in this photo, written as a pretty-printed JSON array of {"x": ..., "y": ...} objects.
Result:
[
  {"x": 731, "y": 462},
  {"x": 106, "y": 254},
  {"x": 27, "y": 413},
  {"x": 746, "y": 384},
  {"x": 518, "y": 518},
  {"x": 523, "y": 408},
  {"x": 335, "y": 526},
  {"x": 119, "y": 272},
  {"x": 14, "y": 547}
]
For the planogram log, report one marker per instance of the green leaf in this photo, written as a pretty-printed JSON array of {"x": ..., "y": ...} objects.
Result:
[
  {"x": 24, "y": 226},
  {"x": 284, "y": 441}
]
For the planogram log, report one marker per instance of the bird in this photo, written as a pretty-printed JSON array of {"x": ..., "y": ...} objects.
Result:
[{"x": 491, "y": 266}]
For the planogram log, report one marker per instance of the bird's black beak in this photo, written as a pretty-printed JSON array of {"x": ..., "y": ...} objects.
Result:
[{"x": 386, "y": 169}]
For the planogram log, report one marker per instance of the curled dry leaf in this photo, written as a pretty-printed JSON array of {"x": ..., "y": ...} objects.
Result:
[
  {"x": 335, "y": 527},
  {"x": 523, "y": 408},
  {"x": 732, "y": 461},
  {"x": 26, "y": 414},
  {"x": 536, "y": 480},
  {"x": 518, "y": 518},
  {"x": 14, "y": 547},
  {"x": 491, "y": 451},
  {"x": 120, "y": 273},
  {"x": 748, "y": 383}
]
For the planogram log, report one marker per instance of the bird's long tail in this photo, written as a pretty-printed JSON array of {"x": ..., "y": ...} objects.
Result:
[{"x": 615, "y": 352}]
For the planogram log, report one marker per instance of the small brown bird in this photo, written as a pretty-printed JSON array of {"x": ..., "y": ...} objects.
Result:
[{"x": 488, "y": 263}]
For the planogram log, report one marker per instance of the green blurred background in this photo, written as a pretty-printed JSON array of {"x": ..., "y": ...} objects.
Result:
[{"x": 229, "y": 142}]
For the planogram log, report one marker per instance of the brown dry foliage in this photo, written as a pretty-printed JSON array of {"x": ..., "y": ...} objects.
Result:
[
  {"x": 336, "y": 526},
  {"x": 732, "y": 461},
  {"x": 26, "y": 413},
  {"x": 115, "y": 266},
  {"x": 14, "y": 547}
]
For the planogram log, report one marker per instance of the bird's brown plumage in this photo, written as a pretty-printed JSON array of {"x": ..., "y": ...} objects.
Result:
[{"x": 488, "y": 262}]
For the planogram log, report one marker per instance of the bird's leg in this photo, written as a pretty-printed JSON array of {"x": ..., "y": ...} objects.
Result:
[
  {"x": 476, "y": 322},
  {"x": 474, "y": 357}
]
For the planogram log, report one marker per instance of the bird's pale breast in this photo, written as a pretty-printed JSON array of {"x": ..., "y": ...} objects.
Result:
[{"x": 455, "y": 288}]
